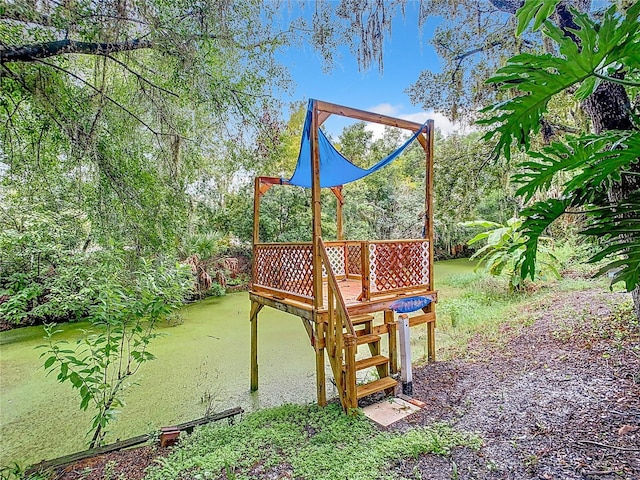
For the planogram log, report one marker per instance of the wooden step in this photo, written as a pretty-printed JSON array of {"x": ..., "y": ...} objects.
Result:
[
  {"x": 359, "y": 319},
  {"x": 371, "y": 362},
  {"x": 365, "y": 339},
  {"x": 377, "y": 386}
]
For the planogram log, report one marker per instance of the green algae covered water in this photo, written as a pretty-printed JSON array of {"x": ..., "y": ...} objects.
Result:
[{"x": 201, "y": 363}]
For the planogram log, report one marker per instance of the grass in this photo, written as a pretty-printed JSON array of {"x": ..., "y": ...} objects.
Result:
[
  {"x": 306, "y": 442},
  {"x": 475, "y": 304},
  {"x": 479, "y": 304}
]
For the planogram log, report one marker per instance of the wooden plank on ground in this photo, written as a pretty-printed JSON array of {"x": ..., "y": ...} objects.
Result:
[{"x": 130, "y": 442}]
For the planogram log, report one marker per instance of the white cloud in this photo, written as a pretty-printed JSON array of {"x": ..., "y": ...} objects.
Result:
[
  {"x": 386, "y": 109},
  {"x": 441, "y": 122}
]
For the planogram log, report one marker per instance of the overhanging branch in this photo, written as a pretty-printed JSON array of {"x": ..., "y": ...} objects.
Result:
[
  {"x": 36, "y": 51},
  {"x": 507, "y": 6}
]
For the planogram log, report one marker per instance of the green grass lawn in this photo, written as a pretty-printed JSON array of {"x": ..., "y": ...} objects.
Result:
[{"x": 295, "y": 441}]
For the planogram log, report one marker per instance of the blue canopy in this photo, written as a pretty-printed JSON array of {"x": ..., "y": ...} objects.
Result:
[{"x": 335, "y": 169}]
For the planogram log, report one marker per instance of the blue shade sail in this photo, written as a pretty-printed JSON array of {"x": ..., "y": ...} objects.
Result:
[{"x": 335, "y": 169}]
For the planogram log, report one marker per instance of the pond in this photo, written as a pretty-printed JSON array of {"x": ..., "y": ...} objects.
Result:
[{"x": 204, "y": 361}]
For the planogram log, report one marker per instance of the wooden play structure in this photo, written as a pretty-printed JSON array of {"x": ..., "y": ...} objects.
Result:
[{"x": 335, "y": 287}]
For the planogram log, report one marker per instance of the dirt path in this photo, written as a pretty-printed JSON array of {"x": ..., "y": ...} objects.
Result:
[{"x": 558, "y": 399}]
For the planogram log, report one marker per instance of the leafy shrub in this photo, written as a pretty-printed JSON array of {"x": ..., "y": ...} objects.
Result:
[
  {"x": 505, "y": 250},
  {"x": 123, "y": 318}
]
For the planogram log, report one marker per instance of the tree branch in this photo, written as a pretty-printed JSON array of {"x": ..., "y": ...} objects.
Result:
[
  {"x": 16, "y": 13},
  {"x": 461, "y": 56},
  {"x": 100, "y": 92},
  {"x": 140, "y": 77},
  {"x": 31, "y": 53},
  {"x": 507, "y": 6}
]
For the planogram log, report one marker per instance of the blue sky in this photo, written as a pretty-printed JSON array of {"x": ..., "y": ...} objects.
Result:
[{"x": 406, "y": 53}]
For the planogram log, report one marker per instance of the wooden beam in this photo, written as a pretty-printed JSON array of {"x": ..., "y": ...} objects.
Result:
[
  {"x": 321, "y": 390},
  {"x": 431, "y": 308},
  {"x": 350, "y": 374},
  {"x": 337, "y": 191},
  {"x": 129, "y": 442},
  {"x": 309, "y": 329},
  {"x": 429, "y": 217},
  {"x": 357, "y": 114},
  {"x": 189, "y": 426},
  {"x": 421, "y": 319},
  {"x": 423, "y": 142},
  {"x": 431, "y": 340},
  {"x": 322, "y": 117},
  {"x": 389, "y": 321},
  {"x": 299, "y": 309},
  {"x": 279, "y": 294}
]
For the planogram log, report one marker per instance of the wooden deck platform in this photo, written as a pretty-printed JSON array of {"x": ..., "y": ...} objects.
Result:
[{"x": 334, "y": 286}]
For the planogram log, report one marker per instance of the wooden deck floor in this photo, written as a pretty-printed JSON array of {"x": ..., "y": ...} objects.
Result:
[{"x": 350, "y": 289}]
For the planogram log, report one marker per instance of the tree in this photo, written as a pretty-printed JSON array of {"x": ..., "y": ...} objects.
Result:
[
  {"x": 103, "y": 362},
  {"x": 597, "y": 60},
  {"x": 111, "y": 106}
]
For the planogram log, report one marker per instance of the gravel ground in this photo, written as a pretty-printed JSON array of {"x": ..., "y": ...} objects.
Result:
[{"x": 558, "y": 399}]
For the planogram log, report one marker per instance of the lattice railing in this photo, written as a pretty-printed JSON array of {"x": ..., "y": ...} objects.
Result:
[
  {"x": 393, "y": 265},
  {"x": 336, "y": 255},
  {"x": 287, "y": 267},
  {"x": 397, "y": 265},
  {"x": 354, "y": 258}
]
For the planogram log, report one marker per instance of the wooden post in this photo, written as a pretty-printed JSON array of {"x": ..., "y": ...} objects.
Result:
[
  {"x": 255, "y": 309},
  {"x": 431, "y": 341},
  {"x": 428, "y": 214},
  {"x": 316, "y": 215},
  {"x": 316, "y": 210},
  {"x": 350, "y": 374},
  {"x": 429, "y": 217},
  {"x": 389, "y": 319},
  {"x": 337, "y": 191},
  {"x": 256, "y": 210},
  {"x": 405, "y": 355},
  {"x": 366, "y": 280},
  {"x": 321, "y": 390}
]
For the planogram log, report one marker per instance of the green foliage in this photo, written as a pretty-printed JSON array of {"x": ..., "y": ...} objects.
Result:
[
  {"x": 504, "y": 251},
  {"x": 102, "y": 363},
  {"x": 540, "y": 77},
  {"x": 311, "y": 442},
  {"x": 47, "y": 276},
  {"x": 537, "y": 11},
  {"x": 122, "y": 136},
  {"x": 589, "y": 166}
]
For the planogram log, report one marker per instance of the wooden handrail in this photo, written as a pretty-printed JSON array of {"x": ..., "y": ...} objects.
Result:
[
  {"x": 333, "y": 285},
  {"x": 340, "y": 337}
]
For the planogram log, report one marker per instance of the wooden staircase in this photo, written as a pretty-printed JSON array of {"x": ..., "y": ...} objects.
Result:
[{"x": 343, "y": 335}]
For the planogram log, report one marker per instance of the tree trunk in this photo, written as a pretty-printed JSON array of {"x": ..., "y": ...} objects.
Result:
[{"x": 609, "y": 108}]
